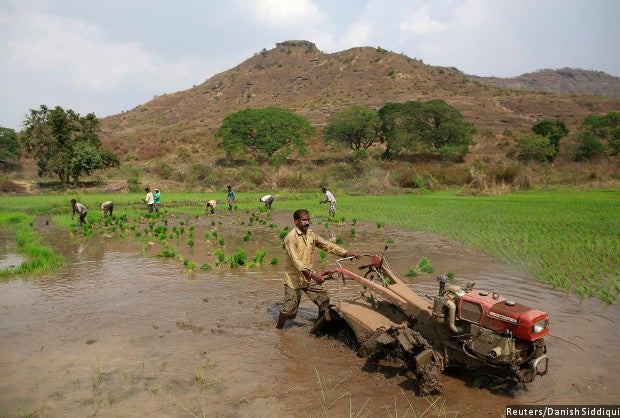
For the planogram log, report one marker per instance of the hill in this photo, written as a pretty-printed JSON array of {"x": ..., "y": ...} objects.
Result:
[
  {"x": 171, "y": 138},
  {"x": 296, "y": 75},
  {"x": 564, "y": 80}
]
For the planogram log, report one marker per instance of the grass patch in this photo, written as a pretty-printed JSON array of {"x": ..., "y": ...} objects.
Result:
[{"x": 39, "y": 258}]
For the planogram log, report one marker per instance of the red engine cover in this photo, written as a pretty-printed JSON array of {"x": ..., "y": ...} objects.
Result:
[{"x": 494, "y": 312}]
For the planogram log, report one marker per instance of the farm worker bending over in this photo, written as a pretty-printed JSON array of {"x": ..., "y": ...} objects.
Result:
[
  {"x": 107, "y": 208},
  {"x": 268, "y": 199},
  {"x": 210, "y": 205},
  {"x": 80, "y": 209},
  {"x": 329, "y": 198},
  {"x": 300, "y": 243}
]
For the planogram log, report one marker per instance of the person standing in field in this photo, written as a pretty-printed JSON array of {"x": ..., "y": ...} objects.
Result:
[
  {"x": 211, "y": 206},
  {"x": 80, "y": 209},
  {"x": 156, "y": 200},
  {"x": 107, "y": 208},
  {"x": 149, "y": 199},
  {"x": 299, "y": 275},
  {"x": 231, "y": 198},
  {"x": 329, "y": 198}
]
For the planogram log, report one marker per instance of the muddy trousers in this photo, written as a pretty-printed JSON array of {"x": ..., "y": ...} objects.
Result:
[{"x": 315, "y": 292}]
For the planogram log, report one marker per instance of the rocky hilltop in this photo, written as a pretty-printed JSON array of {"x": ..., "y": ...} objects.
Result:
[{"x": 564, "y": 80}]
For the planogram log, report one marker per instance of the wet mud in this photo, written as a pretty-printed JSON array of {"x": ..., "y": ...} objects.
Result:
[{"x": 122, "y": 332}]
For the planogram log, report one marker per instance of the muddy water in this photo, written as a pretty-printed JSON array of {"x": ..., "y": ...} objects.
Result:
[{"x": 120, "y": 332}]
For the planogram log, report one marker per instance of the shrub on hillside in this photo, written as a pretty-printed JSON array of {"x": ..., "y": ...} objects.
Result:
[
  {"x": 534, "y": 147},
  {"x": 589, "y": 147}
]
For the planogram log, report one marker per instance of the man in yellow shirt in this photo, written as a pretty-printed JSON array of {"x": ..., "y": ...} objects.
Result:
[{"x": 298, "y": 273}]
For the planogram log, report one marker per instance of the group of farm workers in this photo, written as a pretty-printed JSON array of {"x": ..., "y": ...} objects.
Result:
[
  {"x": 210, "y": 206},
  {"x": 300, "y": 244},
  {"x": 153, "y": 200}
]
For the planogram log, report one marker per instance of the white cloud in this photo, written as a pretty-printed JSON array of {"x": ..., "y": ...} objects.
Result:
[
  {"x": 48, "y": 43},
  {"x": 286, "y": 13},
  {"x": 472, "y": 13},
  {"x": 358, "y": 34},
  {"x": 422, "y": 23}
]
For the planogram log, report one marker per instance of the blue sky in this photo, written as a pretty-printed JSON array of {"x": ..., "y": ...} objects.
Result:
[{"x": 109, "y": 56}]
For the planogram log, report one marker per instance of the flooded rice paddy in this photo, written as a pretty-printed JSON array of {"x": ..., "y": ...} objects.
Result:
[{"x": 120, "y": 332}]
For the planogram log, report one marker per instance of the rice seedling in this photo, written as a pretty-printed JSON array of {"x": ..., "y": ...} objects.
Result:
[
  {"x": 167, "y": 252},
  {"x": 323, "y": 255},
  {"x": 423, "y": 266},
  {"x": 259, "y": 257},
  {"x": 190, "y": 266},
  {"x": 238, "y": 259},
  {"x": 220, "y": 257},
  {"x": 284, "y": 232},
  {"x": 274, "y": 261}
]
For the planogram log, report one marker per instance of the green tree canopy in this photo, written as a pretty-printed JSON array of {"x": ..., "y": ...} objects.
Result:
[
  {"x": 554, "y": 130},
  {"x": 534, "y": 147},
  {"x": 398, "y": 123},
  {"x": 432, "y": 126},
  {"x": 589, "y": 147},
  {"x": 65, "y": 143},
  {"x": 355, "y": 127},
  {"x": 271, "y": 132},
  {"x": 606, "y": 128},
  {"x": 10, "y": 147}
]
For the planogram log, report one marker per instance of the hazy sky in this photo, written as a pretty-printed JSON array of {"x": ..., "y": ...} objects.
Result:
[{"x": 108, "y": 56}]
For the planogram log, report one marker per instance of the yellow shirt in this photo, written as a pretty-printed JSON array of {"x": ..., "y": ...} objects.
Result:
[{"x": 300, "y": 255}]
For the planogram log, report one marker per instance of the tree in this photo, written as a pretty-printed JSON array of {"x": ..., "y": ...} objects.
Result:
[
  {"x": 65, "y": 143},
  {"x": 606, "y": 128},
  {"x": 589, "y": 147},
  {"x": 398, "y": 123},
  {"x": 272, "y": 132},
  {"x": 534, "y": 147},
  {"x": 554, "y": 130},
  {"x": 355, "y": 127},
  {"x": 433, "y": 126},
  {"x": 10, "y": 148}
]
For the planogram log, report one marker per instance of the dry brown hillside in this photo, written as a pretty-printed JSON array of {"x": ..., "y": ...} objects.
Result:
[{"x": 297, "y": 76}]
